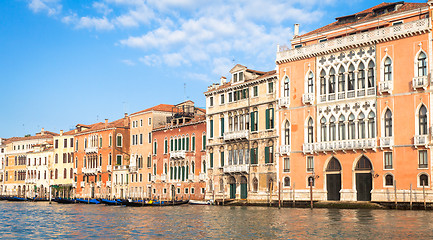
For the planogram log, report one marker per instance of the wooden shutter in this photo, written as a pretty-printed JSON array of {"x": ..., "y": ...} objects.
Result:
[
  {"x": 267, "y": 118},
  {"x": 266, "y": 154}
]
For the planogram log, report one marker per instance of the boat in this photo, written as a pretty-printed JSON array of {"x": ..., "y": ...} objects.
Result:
[
  {"x": 88, "y": 201},
  {"x": 64, "y": 200},
  {"x": 16, "y": 199},
  {"x": 37, "y": 199},
  {"x": 112, "y": 202},
  {"x": 140, "y": 203},
  {"x": 198, "y": 202}
]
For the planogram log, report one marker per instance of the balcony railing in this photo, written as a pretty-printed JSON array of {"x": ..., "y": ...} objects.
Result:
[
  {"x": 109, "y": 168},
  {"x": 202, "y": 176},
  {"x": 284, "y": 102},
  {"x": 420, "y": 82},
  {"x": 91, "y": 150},
  {"x": 98, "y": 184},
  {"x": 92, "y": 171},
  {"x": 237, "y": 168},
  {"x": 178, "y": 154},
  {"x": 82, "y": 184},
  {"x": 133, "y": 169},
  {"x": 308, "y": 147},
  {"x": 308, "y": 98},
  {"x": 420, "y": 140},
  {"x": 191, "y": 176},
  {"x": 243, "y": 134},
  {"x": 340, "y": 145},
  {"x": 108, "y": 183},
  {"x": 121, "y": 167},
  {"x": 385, "y": 86},
  {"x": 285, "y": 149},
  {"x": 386, "y": 142},
  {"x": 74, "y": 185},
  {"x": 164, "y": 177},
  {"x": 360, "y": 39}
]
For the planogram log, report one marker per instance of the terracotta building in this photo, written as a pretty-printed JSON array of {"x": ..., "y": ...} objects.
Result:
[{"x": 354, "y": 107}]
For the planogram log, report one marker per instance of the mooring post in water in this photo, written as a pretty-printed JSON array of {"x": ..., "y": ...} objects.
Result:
[
  {"x": 395, "y": 193},
  {"x": 279, "y": 194},
  {"x": 423, "y": 194},
  {"x": 311, "y": 193},
  {"x": 293, "y": 193},
  {"x": 50, "y": 194},
  {"x": 410, "y": 196}
]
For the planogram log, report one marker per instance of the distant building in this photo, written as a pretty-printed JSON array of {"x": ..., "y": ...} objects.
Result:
[{"x": 62, "y": 166}]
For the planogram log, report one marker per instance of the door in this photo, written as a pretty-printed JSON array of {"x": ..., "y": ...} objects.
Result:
[
  {"x": 233, "y": 190},
  {"x": 363, "y": 186},
  {"x": 333, "y": 185},
  {"x": 93, "y": 192},
  {"x": 244, "y": 192}
]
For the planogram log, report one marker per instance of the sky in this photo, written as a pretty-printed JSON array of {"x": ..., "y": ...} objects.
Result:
[{"x": 65, "y": 62}]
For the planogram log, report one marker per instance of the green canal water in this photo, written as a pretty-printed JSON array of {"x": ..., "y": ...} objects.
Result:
[{"x": 27, "y": 220}]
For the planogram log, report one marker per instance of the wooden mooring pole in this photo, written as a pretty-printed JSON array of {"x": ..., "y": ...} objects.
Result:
[
  {"x": 279, "y": 194},
  {"x": 395, "y": 193},
  {"x": 410, "y": 196},
  {"x": 293, "y": 193},
  {"x": 311, "y": 193},
  {"x": 423, "y": 195}
]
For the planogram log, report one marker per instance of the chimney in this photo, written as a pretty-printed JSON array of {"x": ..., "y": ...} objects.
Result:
[
  {"x": 76, "y": 130},
  {"x": 296, "y": 30},
  {"x": 126, "y": 120},
  {"x": 42, "y": 131},
  {"x": 223, "y": 80},
  {"x": 106, "y": 123},
  {"x": 61, "y": 132}
]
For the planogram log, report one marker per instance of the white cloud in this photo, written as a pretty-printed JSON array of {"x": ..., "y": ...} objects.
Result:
[
  {"x": 102, "y": 8},
  {"x": 96, "y": 23},
  {"x": 174, "y": 59},
  {"x": 221, "y": 66},
  {"x": 134, "y": 18},
  {"x": 151, "y": 60},
  {"x": 128, "y": 62},
  {"x": 51, "y": 7},
  {"x": 198, "y": 77}
]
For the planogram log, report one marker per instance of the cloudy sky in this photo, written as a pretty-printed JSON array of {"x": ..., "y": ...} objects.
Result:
[{"x": 65, "y": 62}]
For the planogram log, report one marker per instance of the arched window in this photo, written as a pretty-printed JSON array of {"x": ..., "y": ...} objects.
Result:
[
  {"x": 71, "y": 173},
  {"x": 423, "y": 180},
  {"x": 287, "y": 133},
  {"x": 351, "y": 127},
  {"x": 310, "y": 181},
  {"x": 370, "y": 74},
  {"x": 332, "y": 130},
  {"x": 422, "y": 64},
  {"x": 286, "y": 87},
  {"x": 387, "y": 70},
  {"x": 310, "y": 131},
  {"x": 310, "y": 82},
  {"x": 361, "y": 125},
  {"x": 341, "y": 80},
  {"x": 322, "y": 83},
  {"x": 422, "y": 121},
  {"x": 389, "y": 180},
  {"x": 56, "y": 174},
  {"x": 221, "y": 185},
  {"x": 204, "y": 166},
  {"x": 286, "y": 181},
  {"x": 323, "y": 129},
  {"x": 371, "y": 125},
  {"x": 361, "y": 76},
  {"x": 363, "y": 164},
  {"x": 119, "y": 140},
  {"x": 331, "y": 84},
  {"x": 388, "y": 123},
  {"x": 333, "y": 165},
  {"x": 255, "y": 184},
  {"x": 341, "y": 128},
  {"x": 351, "y": 78},
  {"x": 65, "y": 173},
  {"x": 193, "y": 167}
]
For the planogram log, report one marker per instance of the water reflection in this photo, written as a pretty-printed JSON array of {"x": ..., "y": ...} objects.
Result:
[{"x": 42, "y": 221}]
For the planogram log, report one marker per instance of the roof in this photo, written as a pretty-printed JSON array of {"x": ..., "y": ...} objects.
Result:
[
  {"x": 160, "y": 107},
  {"x": 47, "y": 134},
  {"x": 120, "y": 123},
  {"x": 196, "y": 119},
  {"x": 367, "y": 15},
  {"x": 228, "y": 84}
]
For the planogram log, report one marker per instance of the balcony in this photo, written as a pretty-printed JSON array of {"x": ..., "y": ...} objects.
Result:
[
  {"x": 82, "y": 184},
  {"x": 178, "y": 154},
  {"x": 385, "y": 86},
  {"x": 191, "y": 176},
  {"x": 108, "y": 183},
  {"x": 234, "y": 135},
  {"x": 133, "y": 169},
  {"x": 202, "y": 176},
  {"x": 285, "y": 149},
  {"x": 308, "y": 98},
  {"x": 109, "y": 168},
  {"x": 90, "y": 150},
  {"x": 163, "y": 177},
  {"x": 244, "y": 168},
  {"x": 153, "y": 178},
  {"x": 420, "y": 140},
  {"x": 284, "y": 102},
  {"x": 29, "y": 180},
  {"x": 75, "y": 170},
  {"x": 74, "y": 185},
  {"x": 98, "y": 184},
  {"x": 121, "y": 167},
  {"x": 420, "y": 82},
  {"x": 285, "y": 54},
  {"x": 308, "y": 147},
  {"x": 340, "y": 145},
  {"x": 386, "y": 142},
  {"x": 91, "y": 171}
]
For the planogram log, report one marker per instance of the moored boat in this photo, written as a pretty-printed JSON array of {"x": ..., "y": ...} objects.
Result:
[
  {"x": 112, "y": 202},
  {"x": 198, "y": 202},
  {"x": 88, "y": 201},
  {"x": 64, "y": 200}
]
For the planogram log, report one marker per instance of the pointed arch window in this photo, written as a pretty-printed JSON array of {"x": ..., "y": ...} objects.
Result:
[
  {"x": 310, "y": 83},
  {"x": 333, "y": 165},
  {"x": 341, "y": 128},
  {"x": 361, "y": 76},
  {"x": 422, "y": 121},
  {"x": 351, "y": 78},
  {"x": 332, "y": 129},
  {"x": 388, "y": 123},
  {"x": 370, "y": 74},
  {"x": 422, "y": 64},
  {"x": 341, "y": 80},
  {"x": 361, "y": 126},
  {"x": 286, "y": 87},
  {"x": 331, "y": 84},
  {"x": 371, "y": 125},
  {"x": 322, "y": 83},
  {"x": 323, "y": 129},
  {"x": 387, "y": 71},
  {"x": 310, "y": 131},
  {"x": 287, "y": 133},
  {"x": 351, "y": 127},
  {"x": 363, "y": 164}
]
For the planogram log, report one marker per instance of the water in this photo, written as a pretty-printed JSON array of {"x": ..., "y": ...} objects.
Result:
[{"x": 80, "y": 221}]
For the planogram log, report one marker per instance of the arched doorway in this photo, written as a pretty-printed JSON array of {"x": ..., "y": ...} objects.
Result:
[
  {"x": 364, "y": 179},
  {"x": 232, "y": 182},
  {"x": 244, "y": 189},
  {"x": 333, "y": 179}
]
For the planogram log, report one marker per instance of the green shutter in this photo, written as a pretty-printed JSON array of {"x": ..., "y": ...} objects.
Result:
[
  {"x": 165, "y": 146},
  {"x": 187, "y": 172},
  {"x": 183, "y": 143},
  {"x": 222, "y": 126},
  {"x": 273, "y": 117},
  {"x": 187, "y": 143},
  {"x": 252, "y": 122},
  {"x": 193, "y": 143},
  {"x": 179, "y": 173},
  {"x": 204, "y": 142},
  {"x": 267, "y": 118},
  {"x": 211, "y": 159},
  {"x": 211, "y": 128},
  {"x": 183, "y": 173},
  {"x": 175, "y": 173},
  {"x": 266, "y": 154},
  {"x": 179, "y": 144},
  {"x": 171, "y": 145},
  {"x": 222, "y": 159}
]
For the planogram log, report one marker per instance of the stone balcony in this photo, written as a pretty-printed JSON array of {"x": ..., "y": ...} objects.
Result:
[
  {"x": 285, "y": 149},
  {"x": 191, "y": 176},
  {"x": 121, "y": 167},
  {"x": 108, "y": 183},
  {"x": 109, "y": 168},
  {"x": 91, "y": 171},
  {"x": 385, "y": 86},
  {"x": 202, "y": 176},
  {"x": 420, "y": 82},
  {"x": 308, "y": 98},
  {"x": 386, "y": 142},
  {"x": 90, "y": 150},
  {"x": 178, "y": 154},
  {"x": 420, "y": 140},
  {"x": 340, "y": 145},
  {"x": 74, "y": 185},
  {"x": 234, "y": 135},
  {"x": 82, "y": 184},
  {"x": 284, "y": 54},
  {"x": 243, "y": 168},
  {"x": 284, "y": 102},
  {"x": 98, "y": 184},
  {"x": 133, "y": 169},
  {"x": 163, "y": 177}
]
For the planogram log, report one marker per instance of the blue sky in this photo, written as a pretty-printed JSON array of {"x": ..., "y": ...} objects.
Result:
[{"x": 65, "y": 62}]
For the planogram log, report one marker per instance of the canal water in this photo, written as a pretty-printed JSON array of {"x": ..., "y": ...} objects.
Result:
[{"x": 20, "y": 220}]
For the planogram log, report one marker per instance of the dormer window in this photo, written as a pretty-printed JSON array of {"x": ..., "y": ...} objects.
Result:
[{"x": 238, "y": 77}]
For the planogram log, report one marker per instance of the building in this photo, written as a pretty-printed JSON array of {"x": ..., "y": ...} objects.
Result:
[
  {"x": 63, "y": 165},
  {"x": 2, "y": 163},
  {"x": 39, "y": 173},
  {"x": 142, "y": 123},
  {"x": 354, "y": 107},
  {"x": 102, "y": 156},
  {"x": 242, "y": 136},
  {"x": 179, "y": 156}
]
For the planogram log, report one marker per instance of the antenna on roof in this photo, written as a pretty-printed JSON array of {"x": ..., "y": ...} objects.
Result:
[
  {"x": 184, "y": 91},
  {"x": 97, "y": 118}
]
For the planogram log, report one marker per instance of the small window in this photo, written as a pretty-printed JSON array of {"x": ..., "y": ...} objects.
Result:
[
  {"x": 270, "y": 87},
  {"x": 323, "y": 40},
  {"x": 286, "y": 164},
  {"x": 222, "y": 99},
  {"x": 423, "y": 180},
  {"x": 388, "y": 160},
  {"x": 119, "y": 141},
  {"x": 230, "y": 97},
  {"x": 397, "y": 23},
  {"x": 310, "y": 164},
  {"x": 286, "y": 181},
  {"x": 422, "y": 159},
  {"x": 211, "y": 101},
  {"x": 149, "y": 121},
  {"x": 298, "y": 45},
  {"x": 389, "y": 180},
  {"x": 310, "y": 181},
  {"x": 255, "y": 91}
]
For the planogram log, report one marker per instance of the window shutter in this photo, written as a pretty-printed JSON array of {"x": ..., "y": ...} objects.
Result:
[
  {"x": 266, "y": 154},
  {"x": 211, "y": 159},
  {"x": 165, "y": 146},
  {"x": 171, "y": 144},
  {"x": 222, "y": 159},
  {"x": 187, "y": 143},
  {"x": 252, "y": 122},
  {"x": 272, "y": 117},
  {"x": 222, "y": 126},
  {"x": 211, "y": 128},
  {"x": 252, "y": 156},
  {"x": 187, "y": 172},
  {"x": 171, "y": 173},
  {"x": 193, "y": 143},
  {"x": 267, "y": 118}
]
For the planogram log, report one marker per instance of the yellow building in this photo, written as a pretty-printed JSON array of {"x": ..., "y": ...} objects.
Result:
[{"x": 63, "y": 164}]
